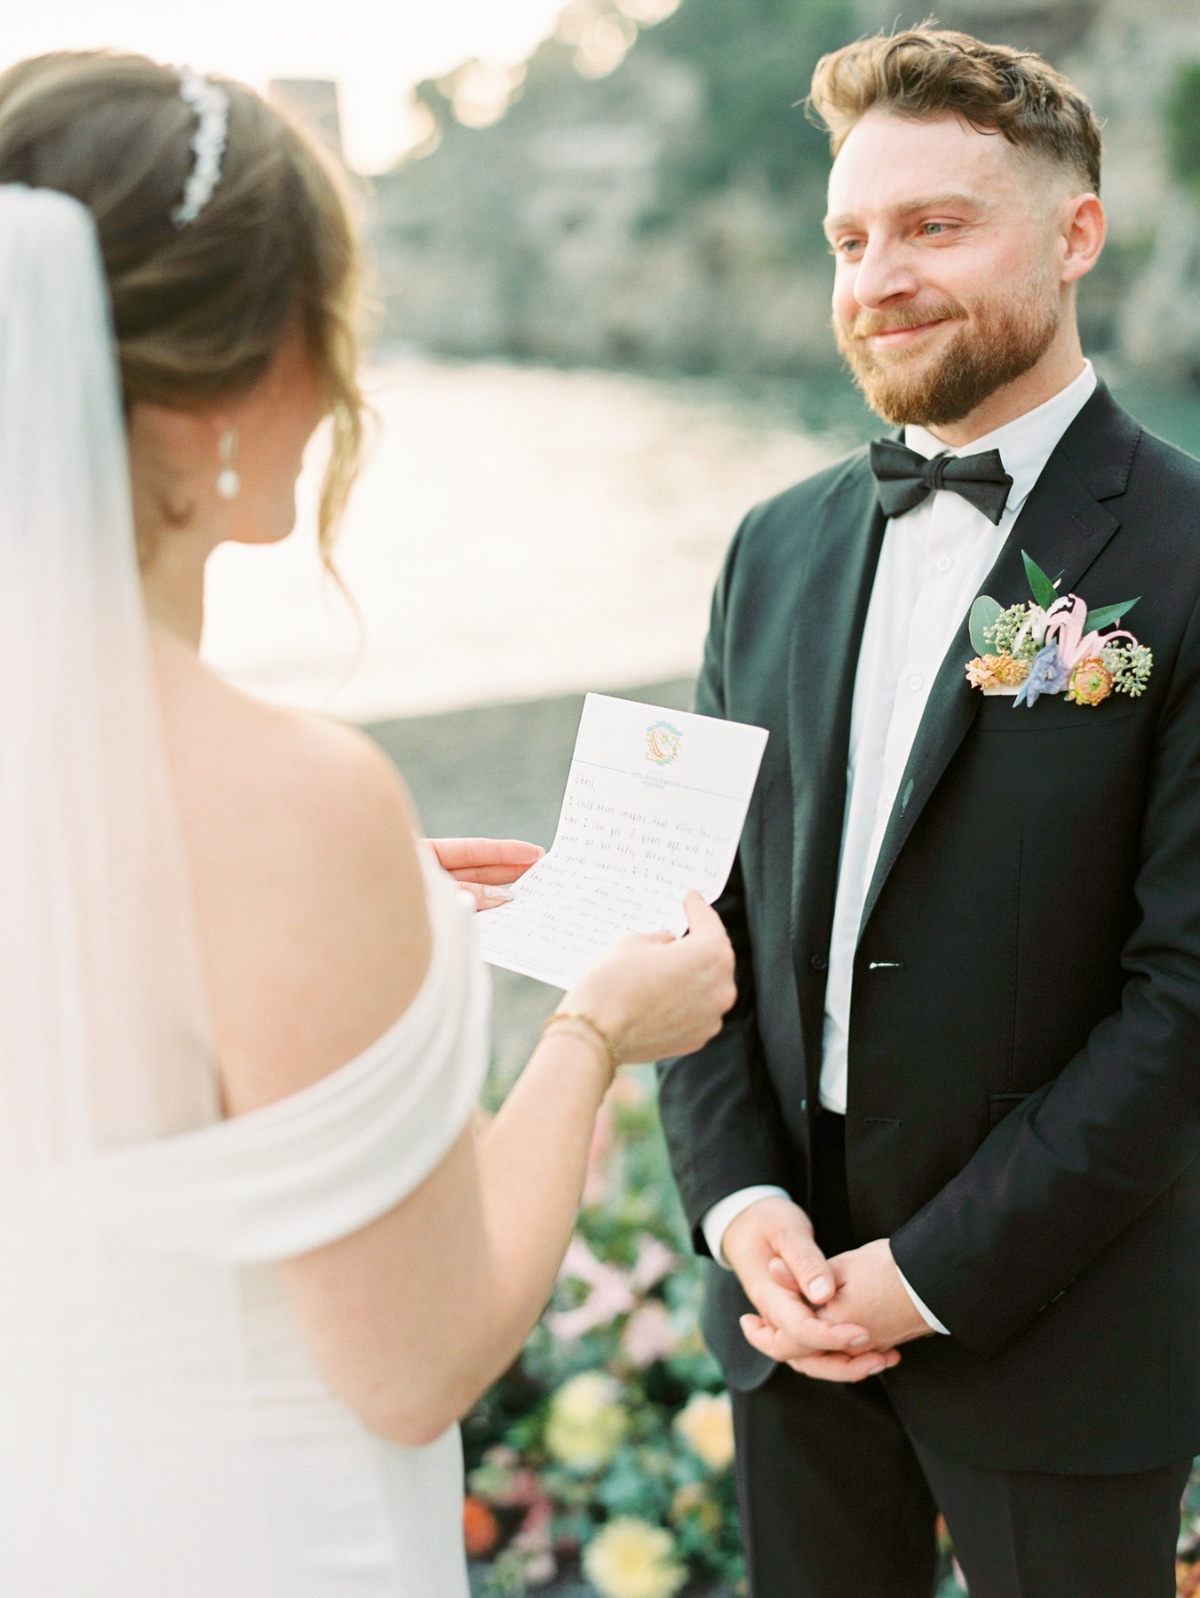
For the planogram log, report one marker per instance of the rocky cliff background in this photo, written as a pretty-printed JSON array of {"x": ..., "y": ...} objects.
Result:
[{"x": 646, "y": 190}]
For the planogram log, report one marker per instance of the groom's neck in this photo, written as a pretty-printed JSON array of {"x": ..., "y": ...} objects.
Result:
[{"x": 1058, "y": 367}]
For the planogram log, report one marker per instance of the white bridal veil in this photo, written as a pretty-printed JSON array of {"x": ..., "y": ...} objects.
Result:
[{"x": 103, "y": 1038}]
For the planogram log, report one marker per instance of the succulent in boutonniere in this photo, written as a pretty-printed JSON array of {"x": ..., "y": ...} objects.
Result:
[{"x": 1055, "y": 645}]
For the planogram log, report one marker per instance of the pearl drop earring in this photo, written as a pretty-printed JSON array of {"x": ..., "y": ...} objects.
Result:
[{"x": 229, "y": 484}]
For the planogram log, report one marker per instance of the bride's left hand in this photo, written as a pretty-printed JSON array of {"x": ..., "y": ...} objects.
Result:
[{"x": 484, "y": 865}]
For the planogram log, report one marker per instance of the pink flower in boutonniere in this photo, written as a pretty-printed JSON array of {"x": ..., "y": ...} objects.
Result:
[{"x": 1055, "y": 645}]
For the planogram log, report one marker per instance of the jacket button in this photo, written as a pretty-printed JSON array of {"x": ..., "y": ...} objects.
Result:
[{"x": 818, "y": 962}]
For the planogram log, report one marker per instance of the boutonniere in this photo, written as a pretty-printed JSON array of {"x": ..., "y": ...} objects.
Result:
[{"x": 1054, "y": 645}]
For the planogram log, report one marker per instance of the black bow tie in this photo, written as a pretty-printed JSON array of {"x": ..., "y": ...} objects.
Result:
[{"x": 905, "y": 478}]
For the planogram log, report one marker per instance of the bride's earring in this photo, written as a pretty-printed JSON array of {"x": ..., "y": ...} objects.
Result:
[{"x": 229, "y": 484}]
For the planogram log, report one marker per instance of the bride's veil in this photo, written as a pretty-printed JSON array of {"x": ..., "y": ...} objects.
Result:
[{"x": 114, "y": 1363}]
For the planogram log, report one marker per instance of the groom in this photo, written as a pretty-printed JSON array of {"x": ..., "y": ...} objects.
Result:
[{"x": 946, "y": 1151}]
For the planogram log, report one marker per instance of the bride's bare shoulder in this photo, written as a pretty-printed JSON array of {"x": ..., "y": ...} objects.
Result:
[{"x": 308, "y": 883}]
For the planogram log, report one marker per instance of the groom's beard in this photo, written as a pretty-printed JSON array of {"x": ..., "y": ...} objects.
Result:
[{"x": 995, "y": 343}]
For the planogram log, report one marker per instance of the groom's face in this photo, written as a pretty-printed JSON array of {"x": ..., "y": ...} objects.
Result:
[{"x": 948, "y": 248}]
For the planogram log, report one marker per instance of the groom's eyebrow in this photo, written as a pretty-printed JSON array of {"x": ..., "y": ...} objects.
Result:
[{"x": 950, "y": 200}]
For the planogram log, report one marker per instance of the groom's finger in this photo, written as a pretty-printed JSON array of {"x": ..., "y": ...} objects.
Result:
[
  {"x": 784, "y": 1309},
  {"x": 785, "y": 1351},
  {"x": 808, "y": 1267},
  {"x": 846, "y": 1368},
  {"x": 778, "y": 1269},
  {"x": 795, "y": 1331}
]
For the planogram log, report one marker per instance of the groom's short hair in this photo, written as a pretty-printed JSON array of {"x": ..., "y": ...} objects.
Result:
[{"x": 929, "y": 72}]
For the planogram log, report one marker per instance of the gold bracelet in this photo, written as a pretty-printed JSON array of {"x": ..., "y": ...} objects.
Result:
[{"x": 601, "y": 1036}]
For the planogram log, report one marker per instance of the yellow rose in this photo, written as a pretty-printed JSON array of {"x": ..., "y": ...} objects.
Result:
[
  {"x": 706, "y": 1426},
  {"x": 586, "y": 1421},
  {"x": 629, "y": 1558}
]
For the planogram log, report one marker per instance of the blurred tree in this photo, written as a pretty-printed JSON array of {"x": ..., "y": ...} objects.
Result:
[
  {"x": 755, "y": 59},
  {"x": 1183, "y": 126}
]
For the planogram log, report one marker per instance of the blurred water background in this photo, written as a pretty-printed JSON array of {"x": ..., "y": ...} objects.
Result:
[{"x": 523, "y": 531}]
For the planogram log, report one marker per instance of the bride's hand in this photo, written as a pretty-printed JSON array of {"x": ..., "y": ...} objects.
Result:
[
  {"x": 657, "y": 995},
  {"x": 484, "y": 865}
]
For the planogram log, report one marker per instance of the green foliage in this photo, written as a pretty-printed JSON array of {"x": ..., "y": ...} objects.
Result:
[
  {"x": 1108, "y": 614},
  {"x": 756, "y": 60},
  {"x": 1040, "y": 585},
  {"x": 1130, "y": 665},
  {"x": 1183, "y": 126},
  {"x": 985, "y": 613}
]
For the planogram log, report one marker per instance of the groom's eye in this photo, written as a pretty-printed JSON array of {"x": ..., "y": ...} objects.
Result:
[{"x": 932, "y": 229}]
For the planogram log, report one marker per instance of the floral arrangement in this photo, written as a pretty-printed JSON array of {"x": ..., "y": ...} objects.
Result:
[
  {"x": 1054, "y": 645},
  {"x": 607, "y": 1452}
]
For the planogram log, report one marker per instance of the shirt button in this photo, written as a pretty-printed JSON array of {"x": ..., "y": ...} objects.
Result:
[
  {"x": 914, "y": 683},
  {"x": 945, "y": 564},
  {"x": 818, "y": 962}
]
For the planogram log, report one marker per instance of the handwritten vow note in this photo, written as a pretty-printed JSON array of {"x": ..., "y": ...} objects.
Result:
[{"x": 654, "y": 806}]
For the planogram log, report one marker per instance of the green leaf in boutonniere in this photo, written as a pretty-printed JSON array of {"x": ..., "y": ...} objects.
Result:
[
  {"x": 1042, "y": 589},
  {"x": 1104, "y": 617},
  {"x": 985, "y": 613}
]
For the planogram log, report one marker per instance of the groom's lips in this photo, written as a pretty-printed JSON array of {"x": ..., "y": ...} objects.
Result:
[{"x": 898, "y": 337}]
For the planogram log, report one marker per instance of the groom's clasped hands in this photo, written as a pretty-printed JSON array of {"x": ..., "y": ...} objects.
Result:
[{"x": 838, "y": 1320}]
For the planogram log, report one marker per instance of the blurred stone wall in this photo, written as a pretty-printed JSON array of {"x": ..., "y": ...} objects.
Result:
[{"x": 563, "y": 230}]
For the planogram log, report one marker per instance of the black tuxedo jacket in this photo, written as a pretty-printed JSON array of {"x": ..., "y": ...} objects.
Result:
[{"x": 1023, "y": 1117}]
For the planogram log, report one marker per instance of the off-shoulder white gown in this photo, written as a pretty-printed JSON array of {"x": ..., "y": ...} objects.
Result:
[{"x": 324, "y": 1509}]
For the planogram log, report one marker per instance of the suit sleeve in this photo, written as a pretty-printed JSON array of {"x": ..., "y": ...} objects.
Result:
[
  {"x": 1061, "y": 1177},
  {"x": 711, "y": 1103}
]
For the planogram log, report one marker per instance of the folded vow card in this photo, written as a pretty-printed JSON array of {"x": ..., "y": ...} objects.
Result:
[{"x": 655, "y": 804}]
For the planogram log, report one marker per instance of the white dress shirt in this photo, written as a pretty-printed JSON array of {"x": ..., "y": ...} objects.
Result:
[{"x": 931, "y": 565}]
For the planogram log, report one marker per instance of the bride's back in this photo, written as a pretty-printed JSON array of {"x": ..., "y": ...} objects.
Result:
[
  {"x": 308, "y": 890},
  {"x": 234, "y": 332}
]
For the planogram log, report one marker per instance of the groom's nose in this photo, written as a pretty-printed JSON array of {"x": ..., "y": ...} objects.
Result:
[{"x": 883, "y": 275}]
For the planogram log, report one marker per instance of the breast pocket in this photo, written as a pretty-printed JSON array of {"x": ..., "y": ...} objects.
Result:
[{"x": 1054, "y": 713}]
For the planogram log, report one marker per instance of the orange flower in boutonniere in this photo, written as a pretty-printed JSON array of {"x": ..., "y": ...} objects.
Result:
[{"x": 1091, "y": 681}]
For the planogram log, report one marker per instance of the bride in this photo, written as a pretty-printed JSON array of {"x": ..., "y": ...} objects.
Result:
[{"x": 256, "y": 1257}]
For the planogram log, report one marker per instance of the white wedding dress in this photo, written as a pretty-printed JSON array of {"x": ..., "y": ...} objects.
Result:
[
  {"x": 326, "y": 1509},
  {"x": 164, "y": 1429}
]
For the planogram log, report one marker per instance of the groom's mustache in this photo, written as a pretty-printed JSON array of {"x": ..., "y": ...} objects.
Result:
[{"x": 868, "y": 323}]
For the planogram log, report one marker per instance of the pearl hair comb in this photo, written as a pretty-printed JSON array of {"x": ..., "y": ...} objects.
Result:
[{"x": 211, "y": 105}]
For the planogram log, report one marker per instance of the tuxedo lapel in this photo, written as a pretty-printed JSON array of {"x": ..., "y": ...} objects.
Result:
[
  {"x": 1063, "y": 525},
  {"x": 827, "y": 629}
]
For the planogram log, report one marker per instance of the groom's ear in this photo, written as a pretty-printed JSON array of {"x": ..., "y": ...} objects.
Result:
[{"x": 1083, "y": 228}]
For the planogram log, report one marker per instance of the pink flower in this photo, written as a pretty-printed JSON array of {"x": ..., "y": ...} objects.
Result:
[
  {"x": 1067, "y": 619},
  {"x": 611, "y": 1294},
  {"x": 654, "y": 1261},
  {"x": 649, "y": 1335}
]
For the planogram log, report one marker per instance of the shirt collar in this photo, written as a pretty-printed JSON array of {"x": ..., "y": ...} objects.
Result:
[{"x": 1026, "y": 443}]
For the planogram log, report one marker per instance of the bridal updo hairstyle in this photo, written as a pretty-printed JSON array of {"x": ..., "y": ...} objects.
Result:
[
  {"x": 201, "y": 310},
  {"x": 928, "y": 72}
]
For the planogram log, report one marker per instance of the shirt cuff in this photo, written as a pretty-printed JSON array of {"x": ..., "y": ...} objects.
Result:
[
  {"x": 927, "y": 1314},
  {"x": 717, "y": 1221}
]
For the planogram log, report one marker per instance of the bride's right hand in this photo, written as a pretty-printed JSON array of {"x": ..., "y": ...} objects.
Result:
[{"x": 657, "y": 995}]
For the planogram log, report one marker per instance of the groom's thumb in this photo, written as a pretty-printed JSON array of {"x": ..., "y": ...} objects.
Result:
[{"x": 807, "y": 1267}]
